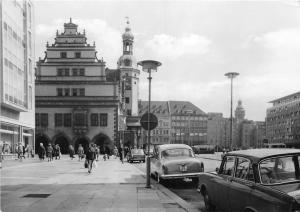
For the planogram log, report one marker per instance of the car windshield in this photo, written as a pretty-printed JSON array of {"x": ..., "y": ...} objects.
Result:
[
  {"x": 170, "y": 153},
  {"x": 280, "y": 169},
  {"x": 137, "y": 151}
]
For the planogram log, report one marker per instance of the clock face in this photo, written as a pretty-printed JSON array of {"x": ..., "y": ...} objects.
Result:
[{"x": 127, "y": 62}]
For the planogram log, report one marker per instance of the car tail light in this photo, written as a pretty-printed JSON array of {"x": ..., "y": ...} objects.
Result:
[{"x": 165, "y": 170}]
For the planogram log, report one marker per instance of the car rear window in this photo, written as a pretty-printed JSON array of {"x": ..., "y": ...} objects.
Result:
[
  {"x": 177, "y": 153},
  {"x": 137, "y": 151},
  {"x": 279, "y": 169}
]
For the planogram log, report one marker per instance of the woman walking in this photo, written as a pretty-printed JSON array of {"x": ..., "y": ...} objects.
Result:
[{"x": 90, "y": 157}]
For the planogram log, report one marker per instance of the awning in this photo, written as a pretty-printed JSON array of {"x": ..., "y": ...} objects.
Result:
[
  {"x": 9, "y": 132},
  {"x": 27, "y": 134}
]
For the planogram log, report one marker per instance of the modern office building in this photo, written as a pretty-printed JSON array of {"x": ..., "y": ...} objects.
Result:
[
  {"x": 17, "y": 74},
  {"x": 283, "y": 120},
  {"x": 76, "y": 102}
]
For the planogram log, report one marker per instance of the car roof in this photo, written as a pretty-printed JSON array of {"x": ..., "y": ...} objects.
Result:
[
  {"x": 173, "y": 146},
  {"x": 257, "y": 154}
]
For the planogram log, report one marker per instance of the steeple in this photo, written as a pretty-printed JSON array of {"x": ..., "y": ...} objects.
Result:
[
  {"x": 127, "y": 60},
  {"x": 239, "y": 112}
]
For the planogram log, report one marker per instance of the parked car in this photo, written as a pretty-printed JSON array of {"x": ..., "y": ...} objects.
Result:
[
  {"x": 254, "y": 180},
  {"x": 175, "y": 161},
  {"x": 136, "y": 155}
]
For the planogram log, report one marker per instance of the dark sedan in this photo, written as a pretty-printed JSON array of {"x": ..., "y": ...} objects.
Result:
[{"x": 254, "y": 180}]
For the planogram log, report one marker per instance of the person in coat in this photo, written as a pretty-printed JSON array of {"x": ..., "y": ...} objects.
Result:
[
  {"x": 90, "y": 157},
  {"x": 49, "y": 152},
  {"x": 42, "y": 151},
  {"x": 80, "y": 152}
]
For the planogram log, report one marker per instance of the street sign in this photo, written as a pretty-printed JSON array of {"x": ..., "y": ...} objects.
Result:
[{"x": 153, "y": 121}]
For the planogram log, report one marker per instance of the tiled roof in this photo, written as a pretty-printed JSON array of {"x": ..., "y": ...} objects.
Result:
[{"x": 170, "y": 107}]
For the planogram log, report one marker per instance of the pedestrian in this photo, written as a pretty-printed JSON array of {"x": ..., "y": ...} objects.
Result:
[
  {"x": 121, "y": 154},
  {"x": 49, "y": 152},
  {"x": 57, "y": 151},
  {"x": 90, "y": 157},
  {"x": 80, "y": 152},
  {"x": 20, "y": 151},
  {"x": 97, "y": 152},
  {"x": 71, "y": 151},
  {"x": 28, "y": 149},
  {"x": 42, "y": 151},
  {"x": 107, "y": 151}
]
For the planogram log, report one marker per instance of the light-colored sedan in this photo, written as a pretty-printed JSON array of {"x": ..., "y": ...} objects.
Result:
[{"x": 175, "y": 161}]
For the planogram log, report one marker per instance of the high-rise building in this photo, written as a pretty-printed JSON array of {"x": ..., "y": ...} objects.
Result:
[
  {"x": 283, "y": 120},
  {"x": 17, "y": 74},
  {"x": 239, "y": 112},
  {"x": 76, "y": 101}
]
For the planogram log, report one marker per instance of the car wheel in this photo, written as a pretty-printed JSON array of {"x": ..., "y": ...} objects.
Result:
[{"x": 207, "y": 201}]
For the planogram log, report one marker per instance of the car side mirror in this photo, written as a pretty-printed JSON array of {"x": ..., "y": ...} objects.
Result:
[{"x": 217, "y": 169}]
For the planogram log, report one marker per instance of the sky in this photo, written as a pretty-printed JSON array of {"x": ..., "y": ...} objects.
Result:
[{"x": 197, "y": 42}]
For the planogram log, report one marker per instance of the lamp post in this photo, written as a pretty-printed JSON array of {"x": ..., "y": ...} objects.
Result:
[
  {"x": 149, "y": 66},
  {"x": 231, "y": 75},
  {"x": 189, "y": 112}
]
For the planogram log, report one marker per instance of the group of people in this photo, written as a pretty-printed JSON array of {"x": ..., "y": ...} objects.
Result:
[{"x": 50, "y": 152}]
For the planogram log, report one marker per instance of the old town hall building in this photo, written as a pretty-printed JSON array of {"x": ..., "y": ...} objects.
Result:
[{"x": 79, "y": 100}]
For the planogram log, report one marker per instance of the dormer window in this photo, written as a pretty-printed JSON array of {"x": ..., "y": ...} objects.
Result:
[
  {"x": 63, "y": 54},
  {"x": 77, "y": 54}
]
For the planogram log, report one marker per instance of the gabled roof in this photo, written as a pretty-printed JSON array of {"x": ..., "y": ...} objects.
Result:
[
  {"x": 184, "y": 107},
  {"x": 157, "y": 107}
]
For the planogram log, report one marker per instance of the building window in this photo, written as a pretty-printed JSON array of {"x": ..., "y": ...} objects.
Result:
[
  {"x": 58, "y": 119},
  {"x": 44, "y": 119},
  {"x": 74, "y": 91},
  {"x": 77, "y": 54},
  {"x": 129, "y": 112},
  {"x": 81, "y": 92},
  {"x": 67, "y": 119},
  {"x": 67, "y": 91},
  {"x": 59, "y": 72},
  {"x": 103, "y": 119},
  {"x": 81, "y": 72},
  {"x": 67, "y": 72},
  {"x": 59, "y": 91},
  {"x": 37, "y": 120},
  {"x": 75, "y": 72},
  {"x": 79, "y": 119},
  {"x": 94, "y": 119},
  {"x": 127, "y": 100},
  {"x": 63, "y": 54}
]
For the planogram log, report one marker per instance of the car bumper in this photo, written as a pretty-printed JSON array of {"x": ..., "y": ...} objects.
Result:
[{"x": 181, "y": 175}]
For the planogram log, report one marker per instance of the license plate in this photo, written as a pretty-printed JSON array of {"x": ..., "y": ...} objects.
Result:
[{"x": 183, "y": 168}]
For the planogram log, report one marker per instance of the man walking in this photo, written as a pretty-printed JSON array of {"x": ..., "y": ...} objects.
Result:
[
  {"x": 90, "y": 157},
  {"x": 49, "y": 152}
]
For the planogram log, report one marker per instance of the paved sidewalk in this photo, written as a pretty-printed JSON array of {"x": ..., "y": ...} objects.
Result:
[{"x": 65, "y": 185}]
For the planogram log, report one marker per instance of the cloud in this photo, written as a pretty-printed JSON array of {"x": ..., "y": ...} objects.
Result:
[
  {"x": 107, "y": 39},
  {"x": 171, "y": 47}
]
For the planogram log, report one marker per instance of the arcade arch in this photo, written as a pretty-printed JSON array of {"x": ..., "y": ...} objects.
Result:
[{"x": 102, "y": 140}]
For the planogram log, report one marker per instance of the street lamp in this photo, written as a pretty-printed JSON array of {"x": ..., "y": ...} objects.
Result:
[
  {"x": 189, "y": 112},
  {"x": 149, "y": 66},
  {"x": 231, "y": 75}
]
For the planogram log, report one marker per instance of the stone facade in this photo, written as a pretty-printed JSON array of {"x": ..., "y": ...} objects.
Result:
[{"x": 76, "y": 103}]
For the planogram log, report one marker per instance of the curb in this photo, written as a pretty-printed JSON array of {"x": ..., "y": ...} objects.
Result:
[{"x": 181, "y": 202}]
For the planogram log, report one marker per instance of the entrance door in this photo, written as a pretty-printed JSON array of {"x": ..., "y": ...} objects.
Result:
[
  {"x": 106, "y": 145},
  {"x": 63, "y": 144},
  {"x": 84, "y": 143}
]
